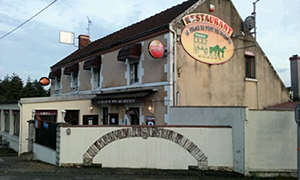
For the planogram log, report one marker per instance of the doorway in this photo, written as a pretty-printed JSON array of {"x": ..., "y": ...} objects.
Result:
[
  {"x": 134, "y": 117},
  {"x": 113, "y": 119}
]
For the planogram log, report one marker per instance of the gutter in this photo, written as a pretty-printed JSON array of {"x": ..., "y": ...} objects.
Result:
[
  {"x": 20, "y": 130},
  {"x": 122, "y": 41},
  {"x": 174, "y": 66}
]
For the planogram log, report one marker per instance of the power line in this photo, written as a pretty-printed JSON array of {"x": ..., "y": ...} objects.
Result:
[{"x": 27, "y": 20}]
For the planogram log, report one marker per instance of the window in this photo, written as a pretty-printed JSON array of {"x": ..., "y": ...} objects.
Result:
[
  {"x": 96, "y": 77},
  {"x": 74, "y": 83},
  {"x": 16, "y": 114},
  {"x": 249, "y": 67},
  {"x": 133, "y": 71},
  {"x": 90, "y": 120},
  {"x": 72, "y": 117},
  {"x": 57, "y": 84},
  {"x": 6, "y": 120}
]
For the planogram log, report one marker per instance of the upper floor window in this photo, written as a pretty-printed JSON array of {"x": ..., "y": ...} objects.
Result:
[
  {"x": 93, "y": 64},
  {"x": 74, "y": 81},
  {"x": 56, "y": 75},
  {"x": 57, "y": 84},
  {"x": 72, "y": 71},
  {"x": 249, "y": 67},
  {"x": 96, "y": 77},
  {"x": 131, "y": 55},
  {"x": 134, "y": 72}
]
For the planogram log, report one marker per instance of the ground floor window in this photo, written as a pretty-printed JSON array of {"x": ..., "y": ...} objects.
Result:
[
  {"x": 16, "y": 114},
  {"x": 72, "y": 117},
  {"x": 90, "y": 120}
]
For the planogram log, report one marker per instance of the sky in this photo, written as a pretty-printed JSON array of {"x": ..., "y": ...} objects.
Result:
[{"x": 32, "y": 49}]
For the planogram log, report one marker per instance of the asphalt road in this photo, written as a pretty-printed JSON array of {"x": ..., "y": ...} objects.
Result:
[{"x": 13, "y": 167}]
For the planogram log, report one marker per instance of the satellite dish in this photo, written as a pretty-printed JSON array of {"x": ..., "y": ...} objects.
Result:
[{"x": 249, "y": 23}]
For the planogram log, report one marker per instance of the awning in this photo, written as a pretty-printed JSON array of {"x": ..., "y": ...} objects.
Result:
[
  {"x": 55, "y": 73},
  {"x": 71, "y": 69},
  {"x": 122, "y": 97},
  {"x": 94, "y": 62},
  {"x": 130, "y": 51}
]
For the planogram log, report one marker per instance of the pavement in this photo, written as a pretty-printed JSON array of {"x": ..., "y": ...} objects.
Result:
[{"x": 11, "y": 163}]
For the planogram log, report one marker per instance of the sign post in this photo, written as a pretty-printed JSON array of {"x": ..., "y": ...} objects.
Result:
[{"x": 297, "y": 119}]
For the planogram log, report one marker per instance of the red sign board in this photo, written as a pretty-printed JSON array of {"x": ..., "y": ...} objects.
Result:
[
  {"x": 44, "y": 81},
  {"x": 156, "y": 49},
  {"x": 249, "y": 53}
]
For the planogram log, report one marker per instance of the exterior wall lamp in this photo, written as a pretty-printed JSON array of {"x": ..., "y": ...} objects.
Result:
[
  {"x": 63, "y": 114},
  {"x": 91, "y": 108},
  {"x": 151, "y": 109},
  {"x": 68, "y": 131}
]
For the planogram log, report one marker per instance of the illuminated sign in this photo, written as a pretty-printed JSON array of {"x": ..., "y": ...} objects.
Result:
[
  {"x": 206, "y": 38},
  {"x": 156, "y": 49},
  {"x": 44, "y": 81}
]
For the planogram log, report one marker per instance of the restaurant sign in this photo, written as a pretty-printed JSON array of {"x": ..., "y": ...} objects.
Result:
[
  {"x": 156, "y": 49},
  {"x": 120, "y": 101},
  {"x": 206, "y": 38}
]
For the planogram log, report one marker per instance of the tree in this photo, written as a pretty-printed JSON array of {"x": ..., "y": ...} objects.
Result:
[{"x": 12, "y": 89}]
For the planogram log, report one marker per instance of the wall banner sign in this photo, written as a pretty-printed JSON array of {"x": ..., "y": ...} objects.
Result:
[
  {"x": 206, "y": 38},
  {"x": 156, "y": 49},
  {"x": 249, "y": 53}
]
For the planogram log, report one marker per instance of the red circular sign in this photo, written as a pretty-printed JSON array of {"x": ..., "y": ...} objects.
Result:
[
  {"x": 44, "y": 81},
  {"x": 156, "y": 49}
]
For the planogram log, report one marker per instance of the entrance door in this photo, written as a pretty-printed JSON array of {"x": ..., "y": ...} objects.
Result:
[
  {"x": 134, "y": 116},
  {"x": 113, "y": 119}
]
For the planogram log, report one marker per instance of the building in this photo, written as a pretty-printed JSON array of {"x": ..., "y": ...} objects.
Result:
[
  {"x": 10, "y": 124},
  {"x": 191, "y": 55},
  {"x": 127, "y": 80}
]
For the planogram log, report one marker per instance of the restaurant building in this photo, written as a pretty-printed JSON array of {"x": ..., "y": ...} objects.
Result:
[{"x": 198, "y": 53}]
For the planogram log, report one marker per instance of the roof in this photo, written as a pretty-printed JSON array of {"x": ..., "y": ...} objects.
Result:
[
  {"x": 154, "y": 23},
  {"x": 284, "y": 106}
]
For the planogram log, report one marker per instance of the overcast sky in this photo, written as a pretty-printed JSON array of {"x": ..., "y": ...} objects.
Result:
[{"x": 33, "y": 48}]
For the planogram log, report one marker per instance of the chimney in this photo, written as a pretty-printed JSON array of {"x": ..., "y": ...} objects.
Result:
[
  {"x": 83, "y": 40},
  {"x": 295, "y": 76}
]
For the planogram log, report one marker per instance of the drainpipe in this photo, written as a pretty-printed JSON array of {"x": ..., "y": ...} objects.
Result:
[
  {"x": 20, "y": 130},
  {"x": 174, "y": 65}
]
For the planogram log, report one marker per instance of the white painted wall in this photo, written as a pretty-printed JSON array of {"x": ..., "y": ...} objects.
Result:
[
  {"x": 216, "y": 116},
  {"x": 271, "y": 141},
  {"x": 216, "y": 144},
  {"x": 52, "y": 103},
  {"x": 44, "y": 154}
]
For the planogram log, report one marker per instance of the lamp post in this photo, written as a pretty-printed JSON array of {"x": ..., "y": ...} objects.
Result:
[
  {"x": 33, "y": 114},
  {"x": 63, "y": 114}
]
